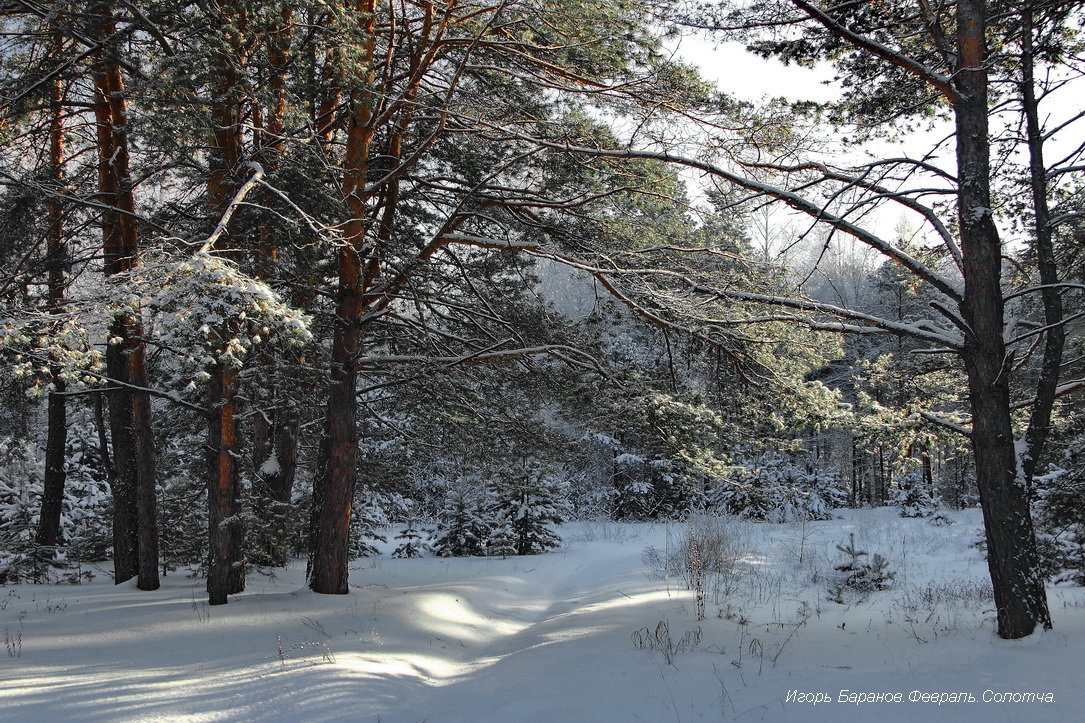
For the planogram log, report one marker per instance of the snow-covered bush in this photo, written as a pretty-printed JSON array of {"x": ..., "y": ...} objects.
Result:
[
  {"x": 657, "y": 488},
  {"x": 21, "y": 558},
  {"x": 915, "y": 499},
  {"x": 463, "y": 524},
  {"x": 777, "y": 488},
  {"x": 367, "y": 517},
  {"x": 1059, "y": 512},
  {"x": 527, "y": 501},
  {"x": 633, "y": 488},
  {"x": 84, "y": 523}
]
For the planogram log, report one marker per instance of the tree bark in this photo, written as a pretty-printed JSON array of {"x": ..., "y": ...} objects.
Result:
[
  {"x": 225, "y": 572},
  {"x": 333, "y": 492},
  {"x": 1055, "y": 337},
  {"x": 226, "y": 569},
  {"x": 1020, "y": 598},
  {"x": 135, "y": 543},
  {"x": 52, "y": 499}
]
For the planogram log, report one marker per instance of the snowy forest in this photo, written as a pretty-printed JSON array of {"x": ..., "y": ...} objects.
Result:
[{"x": 451, "y": 322}]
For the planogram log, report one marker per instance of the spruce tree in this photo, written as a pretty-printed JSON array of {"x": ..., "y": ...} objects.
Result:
[
  {"x": 528, "y": 502},
  {"x": 462, "y": 525}
]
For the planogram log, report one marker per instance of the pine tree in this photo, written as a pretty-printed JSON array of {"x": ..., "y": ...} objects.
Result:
[
  {"x": 1060, "y": 517},
  {"x": 859, "y": 575},
  {"x": 21, "y": 556},
  {"x": 365, "y": 520}
]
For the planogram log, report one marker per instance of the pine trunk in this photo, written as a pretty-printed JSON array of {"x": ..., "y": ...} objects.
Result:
[
  {"x": 53, "y": 489},
  {"x": 225, "y": 574},
  {"x": 52, "y": 499},
  {"x": 1047, "y": 264},
  {"x": 333, "y": 492},
  {"x": 1020, "y": 598},
  {"x": 135, "y": 543},
  {"x": 226, "y": 570}
]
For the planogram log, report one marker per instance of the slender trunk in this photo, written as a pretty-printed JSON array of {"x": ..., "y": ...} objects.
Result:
[
  {"x": 224, "y": 562},
  {"x": 52, "y": 498},
  {"x": 276, "y": 426},
  {"x": 226, "y": 570},
  {"x": 135, "y": 518},
  {"x": 57, "y": 436},
  {"x": 1046, "y": 386},
  {"x": 330, "y": 78},
  {"x": 1020, "y": 598},
  {"x": 123, "y": 481},
  {"x": 143, "y": 442},
  {"x": 928, "y": 469}
]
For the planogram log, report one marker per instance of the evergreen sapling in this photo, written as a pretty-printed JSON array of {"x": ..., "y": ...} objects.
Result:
[
  {"x": 527, "y": 503},
  {"x": 462, "y": 526},
  {"x": 412, "y": 542}
]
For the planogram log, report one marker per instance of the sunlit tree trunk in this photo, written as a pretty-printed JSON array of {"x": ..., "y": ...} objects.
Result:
[
  {"x": 226, "y": 568},
  {"x": 333, "y": 492}
]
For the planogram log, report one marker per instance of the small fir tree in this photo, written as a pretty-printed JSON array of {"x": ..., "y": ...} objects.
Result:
[
  {"x": 21, "y": 558},
  {"x": 1060, "y": 519},
  {"x": 365, "y": 519},
  {"x": 527, "y": 502},
  {"x": 462, "y": 525},
  {"x": 859, "y": 575},
  {"x": 914, "y": 498},
  {"x": 412, "y": 542}
]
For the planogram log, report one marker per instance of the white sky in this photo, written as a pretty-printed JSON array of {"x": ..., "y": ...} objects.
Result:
[{"x": 748, "y": 77}]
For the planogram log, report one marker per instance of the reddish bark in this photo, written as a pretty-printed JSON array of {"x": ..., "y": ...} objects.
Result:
[
  {"x": 224, "y": 574},
  {"x": 135, "y": 534},
  {"x": 334, "y": 489}
]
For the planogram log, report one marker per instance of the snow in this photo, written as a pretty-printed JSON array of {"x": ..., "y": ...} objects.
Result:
[
  {"x": 550, "y": 637},
  {"x": 270, "y": 466}
]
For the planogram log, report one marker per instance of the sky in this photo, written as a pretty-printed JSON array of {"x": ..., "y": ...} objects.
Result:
[
  {"x": 752, "y": 78},
  {"x": 749, "y": 77}
]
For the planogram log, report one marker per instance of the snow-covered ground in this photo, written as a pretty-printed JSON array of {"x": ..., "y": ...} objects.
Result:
[{"x": 567, "y": 636}]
